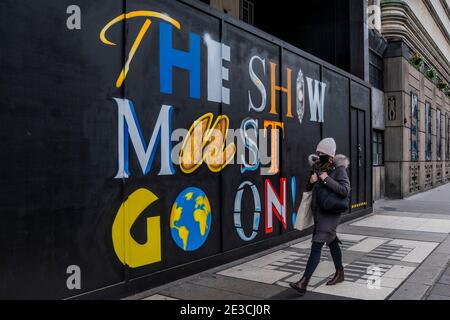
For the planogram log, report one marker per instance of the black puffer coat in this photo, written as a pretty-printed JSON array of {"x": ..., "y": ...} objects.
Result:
[{"x": 325, "y": 223}]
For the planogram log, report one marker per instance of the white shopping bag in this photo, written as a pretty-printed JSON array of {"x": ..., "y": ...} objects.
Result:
[{"x": 304, "y": 218}]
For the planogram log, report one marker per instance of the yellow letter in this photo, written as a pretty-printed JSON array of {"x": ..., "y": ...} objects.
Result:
[
  {"x": 211, "y": 148},
  {"x": 137, "y": 41},
  {"x": 129, "y": 251},
  {"x": 191, "y": 154},
  {"x": 217, "y": 154}
]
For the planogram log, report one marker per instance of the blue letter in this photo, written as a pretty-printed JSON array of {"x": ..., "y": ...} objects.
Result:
[{"x": 170, "y": 57}]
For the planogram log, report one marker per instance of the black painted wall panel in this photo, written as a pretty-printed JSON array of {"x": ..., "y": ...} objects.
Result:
[
  {"x": 300, "y": 138},
  {"x": 60, "y": 197}
]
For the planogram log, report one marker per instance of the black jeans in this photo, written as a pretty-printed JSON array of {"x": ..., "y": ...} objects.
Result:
[{"x": 316, "y": 251}]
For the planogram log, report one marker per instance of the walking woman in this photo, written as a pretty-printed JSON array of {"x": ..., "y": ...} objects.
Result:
[{"x": 331, "y": 171}]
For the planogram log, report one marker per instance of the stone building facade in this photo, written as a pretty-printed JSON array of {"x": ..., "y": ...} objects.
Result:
[{"x": 417, "y": 103}]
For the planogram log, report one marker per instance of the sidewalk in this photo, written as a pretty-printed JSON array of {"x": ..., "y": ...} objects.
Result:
[{"x": 404, "y": 245}]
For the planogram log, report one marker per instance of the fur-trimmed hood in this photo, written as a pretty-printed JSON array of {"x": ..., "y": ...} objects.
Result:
[{"x": 339, "y": 160}]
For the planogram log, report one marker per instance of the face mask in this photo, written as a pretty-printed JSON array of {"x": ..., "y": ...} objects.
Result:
[{"x": 324, "y": 158}]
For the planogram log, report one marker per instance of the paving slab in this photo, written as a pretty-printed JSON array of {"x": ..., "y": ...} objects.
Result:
[
  {"x": 191, "y": 291},
  {"x": 367, "y": 245},
  {"x": 355, "y": 291},
  {"x": 435, "y": 215},
  {"x": 290, "y": 294},
  {"x": 441, "y": 289},
  {"x": 245, "y": 287},
  {"x": 419, "y": 207},
  {"x": 444, "y": 247},
  {"x": 404, "y": 223},
  {"x": 410, "y": 291},
  {"x": 437, "y": 297},
  {"x": 363, "y": 231},
  {"x": 399, "y": 272},
  {"x": 248, "y": 272},
  {"x": 445, "y": 279},
  {"x": 399, "y": 213},
  {"x": 426, "y": 275},
  {"x": 417, "y": 235}
]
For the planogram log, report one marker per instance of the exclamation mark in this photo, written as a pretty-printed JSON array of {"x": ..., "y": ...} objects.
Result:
[{"x": 293, "y": 187}]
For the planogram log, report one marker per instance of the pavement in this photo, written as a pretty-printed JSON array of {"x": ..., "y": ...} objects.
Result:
[{"x": 399, "y": 252}]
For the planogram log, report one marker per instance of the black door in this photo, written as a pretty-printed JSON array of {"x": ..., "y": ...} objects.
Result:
[{"x": 358, "y": 159}]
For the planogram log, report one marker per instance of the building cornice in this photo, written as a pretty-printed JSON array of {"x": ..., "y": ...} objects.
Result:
[
  {"x": 400, "y": 22},
  {"x": 446, "y": 7},
  {"x": 437, "y": 19}
]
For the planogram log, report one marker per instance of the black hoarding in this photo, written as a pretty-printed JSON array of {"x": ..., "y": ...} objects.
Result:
[{"x": 152, "y": 139}]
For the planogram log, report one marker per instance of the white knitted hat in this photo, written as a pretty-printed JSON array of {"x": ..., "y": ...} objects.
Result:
[{"x": 327, "y": 146}]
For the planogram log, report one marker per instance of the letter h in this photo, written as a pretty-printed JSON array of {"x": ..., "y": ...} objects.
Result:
[{"x": 170, "y": 57}]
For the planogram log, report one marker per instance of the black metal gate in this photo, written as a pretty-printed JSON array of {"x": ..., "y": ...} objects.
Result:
[{"x": 360, "y": 154}]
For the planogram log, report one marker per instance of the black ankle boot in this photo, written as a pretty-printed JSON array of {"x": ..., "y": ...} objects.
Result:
[{"x": 300, "y": 286}]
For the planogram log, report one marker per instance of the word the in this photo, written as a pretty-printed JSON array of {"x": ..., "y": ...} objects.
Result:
[{"x": 217, "y": 53}]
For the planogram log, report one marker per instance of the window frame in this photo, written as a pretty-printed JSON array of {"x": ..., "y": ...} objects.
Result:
[
  {"x": 248, "y": 7},
  {"x": 438, "y": 135},
  {"x": 378, "y": 141},
  {"x": 376, "y": 70},
  {"x": 428, "y": 132},
  {"x": 447, "y": 130},
  {"x": 414, "y": 125}
]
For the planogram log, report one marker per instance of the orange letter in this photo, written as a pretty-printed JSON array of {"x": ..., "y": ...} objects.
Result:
[{"x": 274, "y": 143}]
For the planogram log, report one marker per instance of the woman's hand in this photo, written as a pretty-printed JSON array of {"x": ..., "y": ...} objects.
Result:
[
  {"x": 313, "y": 178},
  {"x": 323, "y": 176}
]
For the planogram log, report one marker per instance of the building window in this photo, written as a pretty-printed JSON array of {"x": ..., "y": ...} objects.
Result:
[
  {"x": 428, "y": 152},
  {"x": 414, "y": 127},
  {"x": 247, "y": 12},
  {"x": 377, "y": 148},
  {"x": 376, "y": 68},
  {"x": 438, "y": 134}
]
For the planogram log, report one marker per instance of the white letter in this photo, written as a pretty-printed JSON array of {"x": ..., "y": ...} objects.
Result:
[
  {"x": 316, "y": 102},
  {"x": 258, "y": 83},
  {"x": 217, "y": 52},
  {"x": 74, "y": 281},
  {"x": 129, "y": 128},
  {"x": 74, "y": 20}
]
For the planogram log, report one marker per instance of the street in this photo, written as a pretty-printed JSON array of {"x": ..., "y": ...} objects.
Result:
[{"x": 399, "y": 252}]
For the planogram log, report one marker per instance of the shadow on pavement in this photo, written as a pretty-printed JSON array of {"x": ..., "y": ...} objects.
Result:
[{"x": 290, "y": 294}]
